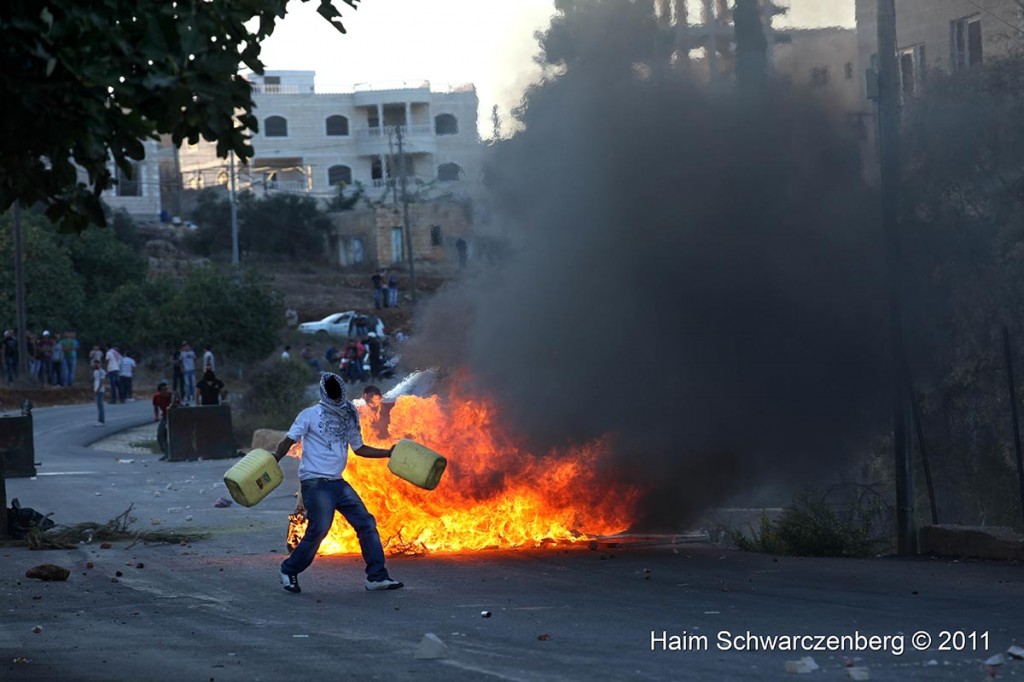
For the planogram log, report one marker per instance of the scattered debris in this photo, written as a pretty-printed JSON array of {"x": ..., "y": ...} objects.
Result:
[
  {"x": 20, "y": 659},
  {"x": 545, "y": 637},
  {"x": 37, "y": 629},
  {"x": 1016, "y": 652},
  {"x": 858, "y": 673},
  {"x": 118, "y": 573},
  {"x": 106, "y": 545},
  {"x": 995, "y": 661},
  {"x": 126, "y": 461},
  {"x": 485, "y": 614},
  {"x": 431, "y": 647},
  {"x": 804, "y": 665},
  {"x": 90, "y": 564},
  {"x": 222, "y": 503},
  {"x": 140, "y": 565},
  {"x": 48, "y": 572}
]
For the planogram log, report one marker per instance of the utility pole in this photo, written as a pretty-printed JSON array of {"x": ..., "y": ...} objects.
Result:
[
  {"x": 892, "y": 213},
  {"x": 19, "y": 295},
  {"x": 405, "y": 212},
  {"x": 234, "y": 212}
]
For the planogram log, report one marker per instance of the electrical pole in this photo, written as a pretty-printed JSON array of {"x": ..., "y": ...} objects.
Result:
[
  {"x": 405, "y": 212},
  {"x": 234, "y": 212},
  {"x": 892, "y": 213},
  {"x": 19, "y": 295}
]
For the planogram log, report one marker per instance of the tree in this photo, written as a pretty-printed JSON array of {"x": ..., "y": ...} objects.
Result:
[
  {"x": 964, "y": 138},
  {"x": 86, "y": 83}
]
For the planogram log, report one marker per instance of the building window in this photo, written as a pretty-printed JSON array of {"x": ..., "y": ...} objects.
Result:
[
  {"x": 339, "y": 175},
  {"x": 337, "y": 126},
  {"x": 275, "y": 126},
  {"x": 272, "y": 84},
  {"x": 397, "y": 250},
  {"x": 128, "y": 186},
  {"x": 965, "y": 40},
  {"x": 911, "y": 65},
  {"x": 436, "y": 237},
  {"x": 819, "y": 77},
  {"x": 449, "y": 172},
  {"x": 446, "y": 124}
]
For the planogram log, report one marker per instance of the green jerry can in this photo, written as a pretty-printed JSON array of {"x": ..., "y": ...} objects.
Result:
[
  {"x": 253, "y": 477},
  {"x": 417, "y": 464}
]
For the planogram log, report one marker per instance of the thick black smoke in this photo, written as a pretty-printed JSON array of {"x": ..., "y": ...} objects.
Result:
[{"x": 696, "y": 273}]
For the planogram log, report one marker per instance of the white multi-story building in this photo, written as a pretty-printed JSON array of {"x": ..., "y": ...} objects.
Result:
[
  {"x": 139, "y": 194},
  {"x": 311, "y": 142}
]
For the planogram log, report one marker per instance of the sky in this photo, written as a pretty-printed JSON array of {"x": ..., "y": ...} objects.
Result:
[{"x": 489, "y": 43}]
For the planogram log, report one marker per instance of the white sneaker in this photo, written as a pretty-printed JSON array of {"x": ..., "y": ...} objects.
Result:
[
  {"x": 386, "y": 584},
  {"x": 290, "y": 583}
]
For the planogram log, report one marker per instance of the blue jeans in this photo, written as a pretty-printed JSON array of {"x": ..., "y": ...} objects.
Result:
[
  {"x": 114, "y": 377},
  {"x": 99, "y": 407},
  {"x": 190, "y": 385},
  {"x": 11, "y": 365},
  {"x": 69, "y": 370},
  {"x": 378, "y": 294},
  {"x": 321, "y": 498}
]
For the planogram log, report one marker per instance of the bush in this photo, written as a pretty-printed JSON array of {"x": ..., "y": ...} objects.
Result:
[
  {"x": 277, "y": 392},
  {"x": 810, "y": 527}
]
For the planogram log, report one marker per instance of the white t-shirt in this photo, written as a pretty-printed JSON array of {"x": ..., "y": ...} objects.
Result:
[
  {"x": 325, "y": 442},
  {"x": 188, "y": 360},
  {"x": 113, "y": 360},
  {"x": 127, "y": 367},
  {"x": 98, "y": 375},
  {"x": 208, "y": 361}
]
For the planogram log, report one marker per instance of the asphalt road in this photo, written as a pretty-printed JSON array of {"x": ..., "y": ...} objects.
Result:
[{"x": 213, "y": 610}]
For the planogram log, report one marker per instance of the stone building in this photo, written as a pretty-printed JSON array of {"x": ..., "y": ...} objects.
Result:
[{"x": 312, "y": 142}]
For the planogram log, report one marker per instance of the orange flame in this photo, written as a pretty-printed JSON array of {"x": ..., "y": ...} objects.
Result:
[{"x": 492, "y": 495}]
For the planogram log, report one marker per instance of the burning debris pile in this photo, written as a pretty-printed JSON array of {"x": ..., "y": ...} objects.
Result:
[{"x": 495, "y": 493}]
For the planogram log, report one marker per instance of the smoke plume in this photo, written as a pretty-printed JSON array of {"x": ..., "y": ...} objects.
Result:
[{"x": 694, "y": 272}]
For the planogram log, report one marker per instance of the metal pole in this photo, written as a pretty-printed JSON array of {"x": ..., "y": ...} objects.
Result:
[
  {"x": 234, "y": 212},
  {"x": 405, "y": 213},
  {"x": 19, "y": 295},
  {"x": 3, "y": 497},
  {"x": 889, "y": 149},
  {"x": 925, "y": 462},
  {"x": 1010, "y": 384}
]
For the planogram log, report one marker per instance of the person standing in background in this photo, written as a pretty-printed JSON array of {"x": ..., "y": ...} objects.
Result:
[
  {"x": 127, "y": 371},
  {"x": 98, "y": 377},
  {"x": 113, "y": 358},
  {"x": 69, "y": 344},
  {"x": 162, "y": 401},
  {"x": 392, "y": 289},
  {"x": 209, "y": 361},
  {"x": 188, "y": 371},
  {"x": 10, "y": 355}
]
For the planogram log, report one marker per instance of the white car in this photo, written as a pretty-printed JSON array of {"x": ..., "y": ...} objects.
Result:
[{"x": 343, "y": 325}]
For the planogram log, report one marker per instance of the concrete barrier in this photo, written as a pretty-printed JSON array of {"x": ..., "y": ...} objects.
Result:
[
  {"x": 200, "y": 432},
  {"x": 17, "y": 442}
]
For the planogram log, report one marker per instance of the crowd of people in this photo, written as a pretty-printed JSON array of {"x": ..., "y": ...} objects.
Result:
[{"x": 359, "y": 359}]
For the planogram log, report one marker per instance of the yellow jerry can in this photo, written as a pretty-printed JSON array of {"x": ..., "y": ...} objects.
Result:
[
  {"x": 417, "y": 464},
  {"x": 253, "y": 477}
]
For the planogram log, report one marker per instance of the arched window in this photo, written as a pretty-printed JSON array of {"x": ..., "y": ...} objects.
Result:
[
  {"x": 337, "y": 126},
  {"x": 339, "y": 174},
  {"x": 446, "y": 124},
  {"x": 275, "y": 126},
  {"x": 449, "y": 172}
]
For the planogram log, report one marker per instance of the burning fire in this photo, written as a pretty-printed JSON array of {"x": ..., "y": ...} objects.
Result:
[{"x": 492, "y": 495}]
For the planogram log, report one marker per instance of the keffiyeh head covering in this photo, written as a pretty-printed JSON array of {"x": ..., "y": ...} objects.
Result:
[{"x": 338, "y": 406}]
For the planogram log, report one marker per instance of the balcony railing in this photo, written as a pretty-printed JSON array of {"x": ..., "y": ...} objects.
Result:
[{"x": 376, "y": 133}]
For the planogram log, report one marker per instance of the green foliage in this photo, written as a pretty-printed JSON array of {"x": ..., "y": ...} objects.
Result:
[
  {"x": 277, "y": 392},
  {"x": 810, "y": 527},
  {"x": 88, "y": 82},
  {"x": 279, "y": 224},
  {"x": 56, "y": 299},
  {"x": 210, "y": 307},
  {"x": 340, "y": 202},
  {"x": 965, "y": 279}
]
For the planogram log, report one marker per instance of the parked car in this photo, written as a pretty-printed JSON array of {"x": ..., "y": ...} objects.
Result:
[{"x": 343, "y": 325}]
